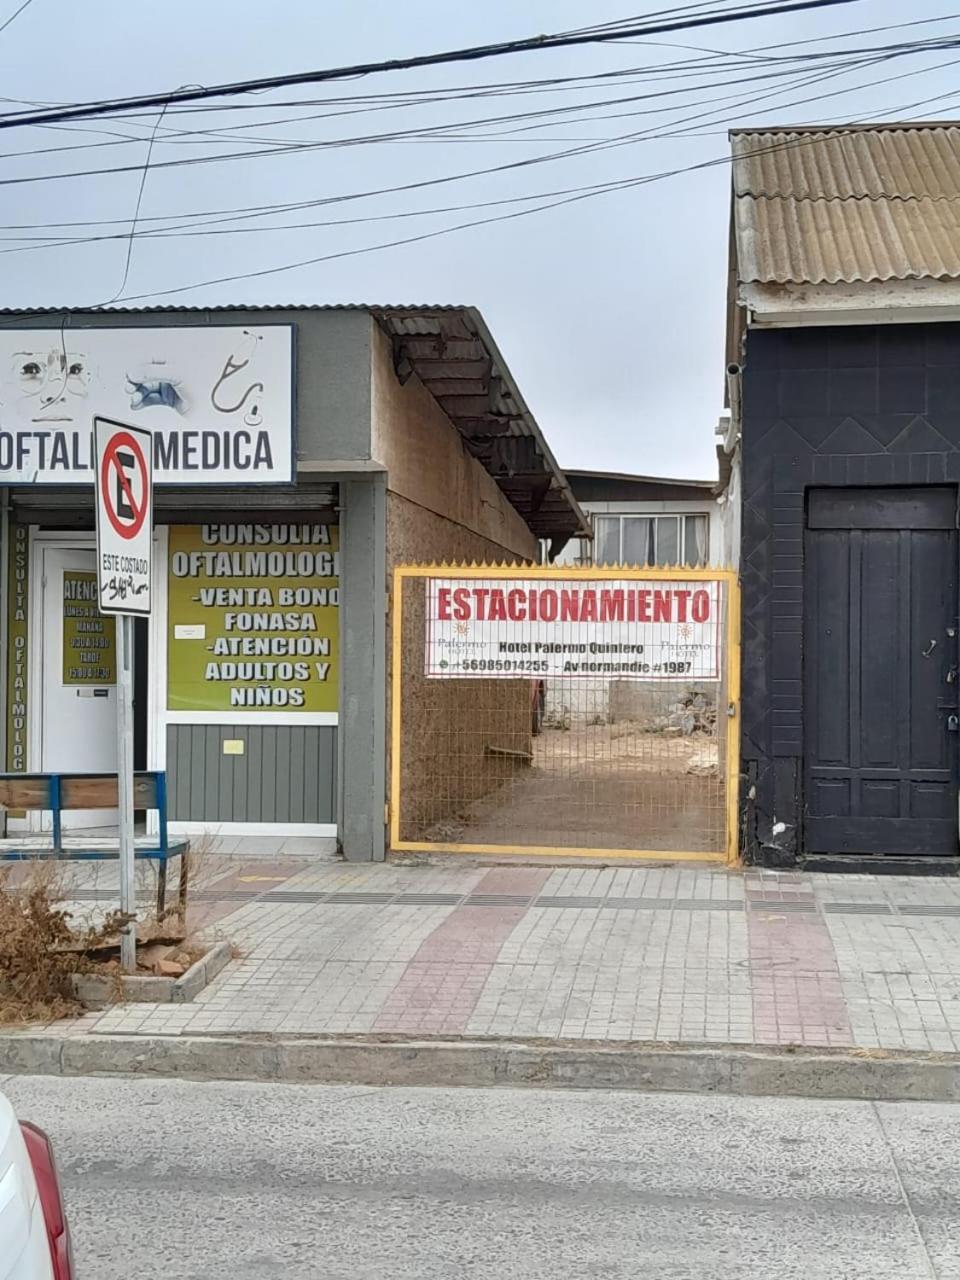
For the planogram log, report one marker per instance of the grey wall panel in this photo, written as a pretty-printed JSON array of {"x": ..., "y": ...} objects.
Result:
[
  {"x": 363, "y": 676},
  {"x": 253, "y": 798},
  {"x": 286, "y": 773}
]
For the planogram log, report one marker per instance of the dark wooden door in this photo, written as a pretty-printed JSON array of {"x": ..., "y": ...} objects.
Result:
[{"x": 880, "y": 671}]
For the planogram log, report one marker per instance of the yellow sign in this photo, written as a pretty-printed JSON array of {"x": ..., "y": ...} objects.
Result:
[
  {"x": 17, "y": 637},
  {"x": 253, "y": 618},
  {"x": 89, "y": 638}
]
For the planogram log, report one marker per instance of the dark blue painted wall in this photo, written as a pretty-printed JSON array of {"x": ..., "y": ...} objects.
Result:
[{"x": 821, "y": 406}]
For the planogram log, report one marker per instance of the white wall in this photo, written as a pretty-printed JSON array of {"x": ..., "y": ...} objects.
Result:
[
  {"x": 717, "y": 545},
  {"x": 730, "y": 515},
  {"x": 591, "y": 701}
]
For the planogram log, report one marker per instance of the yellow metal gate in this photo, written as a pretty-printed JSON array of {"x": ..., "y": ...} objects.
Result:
[{"x": 565, "y": 711}]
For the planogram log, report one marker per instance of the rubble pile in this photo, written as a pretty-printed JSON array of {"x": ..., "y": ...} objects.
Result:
[{"x": 693, "y": 713}]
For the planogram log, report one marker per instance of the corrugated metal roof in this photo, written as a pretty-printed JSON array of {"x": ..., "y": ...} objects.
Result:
[
  {"x": 826, "y": 241},
  {"x": 581, "y": 473},
  {"x": 854, "y": 204},
  {"x": 899, "y": 163},
  {"x": 169, "y": 308}
]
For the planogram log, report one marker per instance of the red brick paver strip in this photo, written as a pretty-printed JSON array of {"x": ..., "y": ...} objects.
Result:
[
  {"x": 441, "y": 985},
  {"x": 795, "y": 979}
]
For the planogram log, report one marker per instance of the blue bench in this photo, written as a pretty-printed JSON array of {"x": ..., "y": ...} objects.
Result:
[{"x": 56, "y": 792}]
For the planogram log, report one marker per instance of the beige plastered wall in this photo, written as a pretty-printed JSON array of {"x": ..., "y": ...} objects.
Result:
[{"x": 462, "y": 739}]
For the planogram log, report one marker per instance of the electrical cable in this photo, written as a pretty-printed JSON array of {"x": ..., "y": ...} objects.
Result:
[
  {"x": 136, "y": 211},
  {"x": 626, "y": 184},
  {"x": 87, "y": 110},
  {"x": 299, "y": 147},
  {"x": 233, "y": 216},
  {"x": 420, "y": 98},
  {"x": 15, "y": 15}
]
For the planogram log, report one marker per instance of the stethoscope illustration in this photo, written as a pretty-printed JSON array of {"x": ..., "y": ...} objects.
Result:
[{"x": 230, "y": 369}]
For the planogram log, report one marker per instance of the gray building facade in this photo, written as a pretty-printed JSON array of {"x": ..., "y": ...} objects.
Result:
[{"x": 261, "y": 681}]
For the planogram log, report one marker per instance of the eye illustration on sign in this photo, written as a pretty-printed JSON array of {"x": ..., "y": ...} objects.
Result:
[{"x": 51, "y": 384}]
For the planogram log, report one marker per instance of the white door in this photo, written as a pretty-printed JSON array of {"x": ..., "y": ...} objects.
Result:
[{"x": 78, "y": 687}]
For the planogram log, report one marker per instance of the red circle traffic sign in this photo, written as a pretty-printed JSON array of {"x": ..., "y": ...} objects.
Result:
[{"x": 123, "y": 439}]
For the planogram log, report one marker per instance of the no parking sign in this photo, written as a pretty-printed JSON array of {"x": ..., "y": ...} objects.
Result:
[{"x": 124, "y": 480}]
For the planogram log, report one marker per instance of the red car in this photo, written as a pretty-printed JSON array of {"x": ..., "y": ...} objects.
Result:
[{"x": 34, "y": 1236}]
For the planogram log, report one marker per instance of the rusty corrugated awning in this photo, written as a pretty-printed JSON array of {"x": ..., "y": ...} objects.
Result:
[{"x": 454, "y": 355}]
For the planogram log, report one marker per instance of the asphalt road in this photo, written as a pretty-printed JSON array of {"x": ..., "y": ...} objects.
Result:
[{"x": 190, "y": 1181}]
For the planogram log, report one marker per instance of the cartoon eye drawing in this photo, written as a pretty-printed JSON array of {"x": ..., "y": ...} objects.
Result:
[{"x": 52, "y": 382}]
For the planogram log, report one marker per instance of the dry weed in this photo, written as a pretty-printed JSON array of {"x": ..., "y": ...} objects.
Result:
[{"x": 40, "y": 951}]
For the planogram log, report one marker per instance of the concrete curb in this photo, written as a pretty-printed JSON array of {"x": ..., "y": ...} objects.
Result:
[
  {"x": 201, "y": 973},
  {"x": 871, "y": 1075},
  {"x": 95, "y": 991}
]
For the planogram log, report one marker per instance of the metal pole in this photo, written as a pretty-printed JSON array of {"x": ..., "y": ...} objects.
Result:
[{"x": 128, "y": 905}]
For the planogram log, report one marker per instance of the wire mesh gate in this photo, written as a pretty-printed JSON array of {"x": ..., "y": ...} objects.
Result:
[{"x": 565, "y": 711}]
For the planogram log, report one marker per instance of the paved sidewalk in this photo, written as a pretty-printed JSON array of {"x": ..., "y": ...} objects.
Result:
[{"x": 679, "y": 954}]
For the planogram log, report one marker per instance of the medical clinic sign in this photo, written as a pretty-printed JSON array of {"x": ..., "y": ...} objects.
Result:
[
  {"x": 218, "y": 401},
  {"x": 581, "y": 628}
]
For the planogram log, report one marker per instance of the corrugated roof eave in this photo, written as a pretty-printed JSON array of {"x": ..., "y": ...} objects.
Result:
[{"x": 847, "y": 206}]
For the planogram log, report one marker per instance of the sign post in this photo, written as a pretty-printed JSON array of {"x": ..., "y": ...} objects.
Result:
[{"x": 124, "y": 485}]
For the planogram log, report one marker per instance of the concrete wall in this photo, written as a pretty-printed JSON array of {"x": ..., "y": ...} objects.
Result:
[
  {"x": 448, "y": 725},
  {"x": 442, "y": 505},
  {"x": 363, "y": 676},
  {"x": 429, "y": 466},
  {"x": 731, "y": 514}
]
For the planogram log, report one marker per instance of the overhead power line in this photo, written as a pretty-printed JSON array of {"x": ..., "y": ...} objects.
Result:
[
  {"x": 573, "y": 196},
  {"x": 437, "y": 131},
  {"x": 15, "y": 15},
  {"x": 774, "y": 69},
  {"x": 184, "y": 222},
  {"x": 729, "y": 62},
  {"x": 608, "y": 33}
]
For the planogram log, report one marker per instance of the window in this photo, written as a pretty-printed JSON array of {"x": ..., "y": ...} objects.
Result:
[{"x": 653, "y": 540}]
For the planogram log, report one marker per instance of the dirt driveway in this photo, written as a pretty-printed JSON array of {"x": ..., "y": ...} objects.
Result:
[{"x": 603, "y": 787}]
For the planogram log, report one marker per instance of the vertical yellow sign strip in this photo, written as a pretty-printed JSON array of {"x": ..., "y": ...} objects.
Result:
[{"x": 18, "y": 601}]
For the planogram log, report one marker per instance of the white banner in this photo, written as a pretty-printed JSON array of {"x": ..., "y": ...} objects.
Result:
[
  {"x": 578, "y": 628},
  {"x": 217, "y": 400}
]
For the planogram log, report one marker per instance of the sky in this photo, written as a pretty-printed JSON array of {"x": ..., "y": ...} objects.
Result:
[{"x": 609, "y": 310}]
